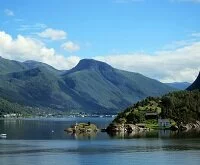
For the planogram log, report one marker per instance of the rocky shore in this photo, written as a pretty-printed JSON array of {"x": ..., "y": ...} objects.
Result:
[
  {"x": 189, "y": 126},
  {"x": 129, "y": 128}
]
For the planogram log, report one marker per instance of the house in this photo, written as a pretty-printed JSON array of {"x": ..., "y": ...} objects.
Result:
[
  {"x": 164, "y": 123},
  {"x": 12, "y": 115},
  {"x": 151, "y": 115}
]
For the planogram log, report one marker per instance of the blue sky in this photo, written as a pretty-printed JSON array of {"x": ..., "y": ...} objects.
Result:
[{"x": 134, "y": 35}]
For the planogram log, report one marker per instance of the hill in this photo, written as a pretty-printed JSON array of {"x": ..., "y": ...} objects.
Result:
[
  {"x": 179, "y": 85},
  {"x": 8, "y": 66},
  {"x": 34, "y": 64},
  {"x": 181, "y": 107},
  {"x": 195, "y": 84},
  {"x": 91, "y": 86}
]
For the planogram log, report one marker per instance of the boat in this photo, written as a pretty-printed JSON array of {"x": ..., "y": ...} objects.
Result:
[{"x": 3, "y": 136}]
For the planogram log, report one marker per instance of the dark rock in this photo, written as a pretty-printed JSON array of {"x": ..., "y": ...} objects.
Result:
[{"x": 174, "y": 128}]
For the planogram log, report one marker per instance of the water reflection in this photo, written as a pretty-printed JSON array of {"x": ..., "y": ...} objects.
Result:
[
  {"x": 84, "y": 135},
  {"x": 156, "y": 134},
  {"x": 48, "y": 129},
  {"x": 146, "y": 148},
  {"x": 42, "y": 129}
]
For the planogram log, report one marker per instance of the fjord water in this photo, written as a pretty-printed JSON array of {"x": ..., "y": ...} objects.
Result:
[{"x": 43, "y": 141}]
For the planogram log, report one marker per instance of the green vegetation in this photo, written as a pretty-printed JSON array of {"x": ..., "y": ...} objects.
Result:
[
  {"x": 82, "y": 128},
  {"x": 182, "y": 106},
  {"x": 7, "y": 107},
  {"x": 136, "y": 113},
  {"x": 153, "y": 124}
]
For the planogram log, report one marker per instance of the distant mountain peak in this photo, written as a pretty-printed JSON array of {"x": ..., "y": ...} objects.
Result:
[
  {"x": 91, "y": 64},
  {"x": 179, "y": 85}
]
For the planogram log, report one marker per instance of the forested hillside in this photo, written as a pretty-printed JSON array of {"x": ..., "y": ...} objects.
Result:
[{"x": 181, "y": 106}]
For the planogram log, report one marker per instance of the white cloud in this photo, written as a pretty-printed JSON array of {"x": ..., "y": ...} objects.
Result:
[
  {"x": 37, "y": 26},
  {"x": 181, "y": 43},
  {"x": 181, "y": 64},
  {"x": 70, "y": 46},
  {"x": 25, "y": 48},
  {"x": 53, "y": 34},
  {"x": 9, "y": 12},
  {"x": 195, "y": 35}
]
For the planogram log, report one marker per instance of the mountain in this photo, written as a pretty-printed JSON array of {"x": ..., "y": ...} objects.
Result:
[
  {"x": 34, "y": 64},
  {"x": 34, "y": 87},
  {"x": 195, "y": 84},
  {"x": 8, "y": 66},
  {"x": 91, "y": 86},
  {"x": 179, "y": 85},
  {"x": 104, "y": 85}
]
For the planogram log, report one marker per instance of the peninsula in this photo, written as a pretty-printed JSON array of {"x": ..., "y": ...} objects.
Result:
[{"x": 176, "y": 110}]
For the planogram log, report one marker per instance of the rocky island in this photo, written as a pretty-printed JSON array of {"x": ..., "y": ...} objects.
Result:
[{"x": 82, "y": 128}]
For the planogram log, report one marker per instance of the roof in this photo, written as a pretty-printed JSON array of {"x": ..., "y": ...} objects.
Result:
[
  {"x": 151, "y": 114},
  {"x": 163, "y": 120}
]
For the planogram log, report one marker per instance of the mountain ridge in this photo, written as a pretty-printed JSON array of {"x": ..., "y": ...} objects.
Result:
[
  {"x": 91, "y": 86},
  {"x": 179, "y": 85}
]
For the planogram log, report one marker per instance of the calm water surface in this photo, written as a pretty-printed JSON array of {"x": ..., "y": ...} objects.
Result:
[{"x": 43, "y": 141}]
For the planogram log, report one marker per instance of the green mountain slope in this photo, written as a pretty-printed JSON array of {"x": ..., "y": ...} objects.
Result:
[
  {"x": 34, "y": 64},
  {"x": 111, "y": 88},
  {"x": 195, "y": 84},
  {"x": 91, "y": 86},
  {"x": 35, "y": 87},
  {"x": 8, "y": 66}
]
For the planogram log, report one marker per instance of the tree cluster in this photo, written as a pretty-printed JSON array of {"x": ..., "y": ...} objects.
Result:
[{"x": 181, "y": 106}]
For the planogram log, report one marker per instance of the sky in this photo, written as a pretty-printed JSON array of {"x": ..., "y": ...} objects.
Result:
[{"x": 157, "y": 38}]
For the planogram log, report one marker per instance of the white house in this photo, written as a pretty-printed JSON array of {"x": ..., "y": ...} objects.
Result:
[
  {"x": 164, "y": 123},
  {"x": 12, "y": 115}
]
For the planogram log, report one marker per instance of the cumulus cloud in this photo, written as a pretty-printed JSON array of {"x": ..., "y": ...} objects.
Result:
[
  {"x": 181, "y": 64},
  {"x": 24, "y": 48},
  {"x": 70, "y": 46},
  {"x": 9, "y": 12},
  {"x": 53, "y": 34}
]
